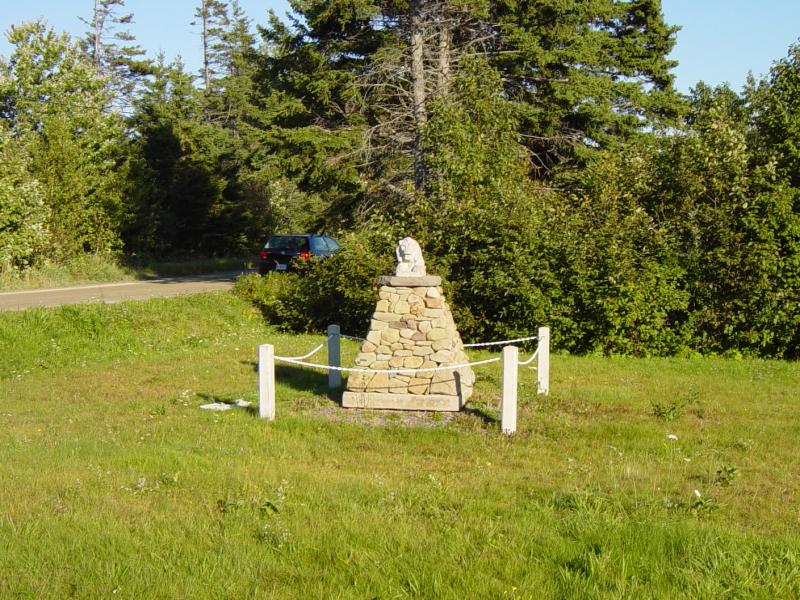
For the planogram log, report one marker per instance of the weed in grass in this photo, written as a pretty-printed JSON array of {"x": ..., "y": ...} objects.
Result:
[
  {"x": 698, "y": 504},
  {"x": 725, "y": 475},
  {"x": 667, "y": 411},
  {"x": 703, "y": 505},
  {"x": 273, "y": 535}
]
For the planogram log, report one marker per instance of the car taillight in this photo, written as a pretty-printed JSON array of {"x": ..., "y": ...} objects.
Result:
[
  {"x": 264, "y": 254},
  {"x": 305, "y": 254}
]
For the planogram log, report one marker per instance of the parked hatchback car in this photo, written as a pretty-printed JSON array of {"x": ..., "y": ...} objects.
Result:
[{"x": 280, "y": 250}]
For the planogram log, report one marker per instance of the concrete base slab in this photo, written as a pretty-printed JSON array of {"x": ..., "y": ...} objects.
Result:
[
  {"x": 437, "y": 402},
  {"x": 425, "y": 281}
]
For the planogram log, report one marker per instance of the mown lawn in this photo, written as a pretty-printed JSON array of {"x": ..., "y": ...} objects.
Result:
[{"x": 114, "y": 484}]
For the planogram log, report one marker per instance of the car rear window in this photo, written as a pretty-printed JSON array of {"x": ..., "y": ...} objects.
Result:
[
  {"x": 318, "y": 245},
  {"x": 287, "y": 242}
]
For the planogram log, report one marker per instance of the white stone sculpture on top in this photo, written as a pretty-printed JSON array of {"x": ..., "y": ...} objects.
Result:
[{"x": 409, "y": 259}]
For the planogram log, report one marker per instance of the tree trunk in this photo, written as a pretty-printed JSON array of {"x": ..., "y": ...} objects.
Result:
[
  {"x": 443, "y": 83},
  {"x": 206, "y": 68},
  {"x": 418, "y": 91},
  {"x": 99, "y": 23}
]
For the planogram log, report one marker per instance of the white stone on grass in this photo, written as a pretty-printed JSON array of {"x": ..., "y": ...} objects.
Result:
[{"x": 223, "y": 406}]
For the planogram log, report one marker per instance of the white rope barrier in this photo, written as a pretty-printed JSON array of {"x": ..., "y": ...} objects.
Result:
[
  {"x": 477, "y": 345},
  {"x": 530, "y": 360},
  {"x": 295, "y": 361},
  {"x": 309, "y": 355},
  {"x": 506, "y": 342},
  {"x": 510, "y": 359},
  {"x": 353, "y": 337}
]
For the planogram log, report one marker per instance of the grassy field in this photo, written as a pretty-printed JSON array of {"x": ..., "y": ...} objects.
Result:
[{"x": 114, "y": 484}]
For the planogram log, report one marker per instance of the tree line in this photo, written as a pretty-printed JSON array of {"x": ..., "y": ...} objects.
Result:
[{"x": 537, "y": 150}]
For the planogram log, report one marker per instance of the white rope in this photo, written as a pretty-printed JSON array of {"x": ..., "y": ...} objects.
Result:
[
  {"x": 530, "y": 360},
  {"x": 312, "y": 353},
  {"x": 524, "y": 339},
  {"x": 349, "y": 337},
  {"x": 296, "y": 361},
  {"x": 352, "y": 337}
]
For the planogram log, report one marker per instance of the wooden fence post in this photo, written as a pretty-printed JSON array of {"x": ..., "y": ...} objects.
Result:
[
  {"x": 543, "y": 362},
  {"x": 266, "y": 382},
  {"x": 508, "y": 407},
  {"x": 334, "y": 357}
]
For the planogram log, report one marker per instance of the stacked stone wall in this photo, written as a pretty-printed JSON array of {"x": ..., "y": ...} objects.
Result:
[{"x": 412, "y": 328}]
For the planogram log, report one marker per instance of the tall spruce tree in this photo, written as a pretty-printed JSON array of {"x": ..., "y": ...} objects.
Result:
[
  {"x": 210, "y": 17},
  {"x": 586, "y": 73},
  {"x": 364, "y": 73},
  {"x": 175, "y": 183},
  {"x": 113, "y": 50}
]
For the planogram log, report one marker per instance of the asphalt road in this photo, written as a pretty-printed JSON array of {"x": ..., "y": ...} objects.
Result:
[{"x": 118, "y": 292}]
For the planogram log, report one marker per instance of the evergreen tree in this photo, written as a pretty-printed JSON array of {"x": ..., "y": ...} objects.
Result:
[
  {"x": 193, "y": 195},
  {"x": 586, "y": 73},
  {"x": 113, "y": 51},
  {"x": 210, "y": 17},
  {"x": 174, "y": 184},
  {"x": 361, "y": 75}
]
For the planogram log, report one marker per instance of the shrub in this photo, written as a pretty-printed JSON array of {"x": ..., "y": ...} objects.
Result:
[{"x": 340, "y": 289}]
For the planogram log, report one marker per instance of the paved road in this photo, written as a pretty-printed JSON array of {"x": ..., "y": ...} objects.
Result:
[{"x": 117, "y": 292}]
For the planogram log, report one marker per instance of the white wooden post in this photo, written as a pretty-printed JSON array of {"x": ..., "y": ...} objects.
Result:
[
  {"x": 334, "y": 357},
  {"x": 508, "y": 407},
  {"x": 266, "y": 382},
  {"x": 543, "y": 362}
]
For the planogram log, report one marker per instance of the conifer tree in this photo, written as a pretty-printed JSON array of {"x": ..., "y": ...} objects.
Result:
[
  {"x": 210, "y": 17},
  {"x": 364, "y": 73},
  {"x": 113, "y": 50}
]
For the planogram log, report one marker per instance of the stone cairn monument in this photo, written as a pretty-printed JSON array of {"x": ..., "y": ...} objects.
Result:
[{"x": 412, "y": 328}]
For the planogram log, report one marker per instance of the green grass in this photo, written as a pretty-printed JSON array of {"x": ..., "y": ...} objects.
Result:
[
  {"x": 114, "y": 483},
  {"x": 89, "y": 269}
]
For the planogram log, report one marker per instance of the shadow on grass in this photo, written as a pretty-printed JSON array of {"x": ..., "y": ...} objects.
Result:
[
  {"x": 302, "y": 380},
  {"x": 478, "y": 413}
]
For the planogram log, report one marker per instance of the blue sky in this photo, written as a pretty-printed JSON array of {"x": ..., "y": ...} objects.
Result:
[{"x": 720, "y": 40}]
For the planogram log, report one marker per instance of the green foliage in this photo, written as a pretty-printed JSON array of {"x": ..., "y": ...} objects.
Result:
[
  {"x": 267, "y": 293},
  {"x": 76, "y": 148},
  {"x": 23, "y": 213},
  {"x": 593, "y": 266},
  {"x": 775, "y": 101},
  {"x": 622, "y": 280},
  {"x": 188, "y": 196},
  {"x": 651, "y": 235},
  {"x": 734, "y": 230},
  {"x": 481, "y": 222},
  {"x": 337, "y": 290},
  {"x": 586, "y": 74},
  {"x": 112, "y": 51}
]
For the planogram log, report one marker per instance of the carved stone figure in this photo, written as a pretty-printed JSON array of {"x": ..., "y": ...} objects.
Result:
[{"x": 409, "y": 259}]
